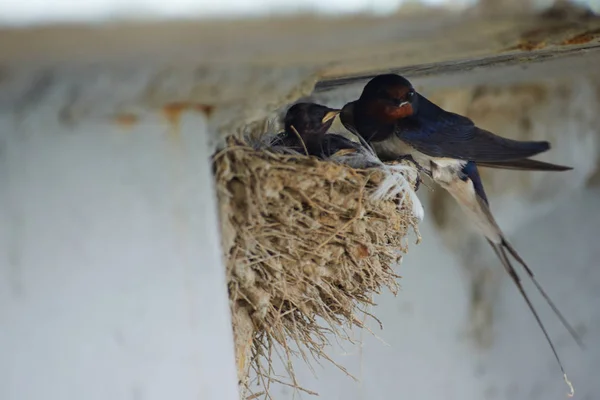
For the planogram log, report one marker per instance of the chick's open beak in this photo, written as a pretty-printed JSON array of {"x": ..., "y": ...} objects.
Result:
[{"x": 330, "y": 115}]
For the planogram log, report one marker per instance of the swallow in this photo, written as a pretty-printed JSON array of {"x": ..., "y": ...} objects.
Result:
[
  {"x": 399, "y": 123},
  {"x": 306, "y": 127},
  {"x": 396, "y": 120},
  {"x": 305, "y": 123}
]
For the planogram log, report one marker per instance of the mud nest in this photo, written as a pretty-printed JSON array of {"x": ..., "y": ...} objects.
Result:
[{"x": 307, "y": 243}]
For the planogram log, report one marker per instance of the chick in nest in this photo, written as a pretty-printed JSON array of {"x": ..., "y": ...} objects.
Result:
[{"x": 306, "y": 131}]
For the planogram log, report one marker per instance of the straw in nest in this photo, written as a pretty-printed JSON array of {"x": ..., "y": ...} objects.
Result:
[{"x": 305, "y": 238}]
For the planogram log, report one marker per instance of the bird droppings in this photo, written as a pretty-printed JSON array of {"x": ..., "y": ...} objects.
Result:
[{"x": 306, "y": 248}]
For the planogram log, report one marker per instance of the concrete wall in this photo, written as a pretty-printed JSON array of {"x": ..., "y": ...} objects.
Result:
[{"x": 111, "y": 279}]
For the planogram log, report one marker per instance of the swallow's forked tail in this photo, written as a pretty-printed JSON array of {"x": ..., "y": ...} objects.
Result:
[
  {"x": 500, "y": 250},
  {"x": 560, "y": 316}
]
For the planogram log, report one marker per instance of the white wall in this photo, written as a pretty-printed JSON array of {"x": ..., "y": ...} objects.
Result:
[{"x": 111, "y": 279}]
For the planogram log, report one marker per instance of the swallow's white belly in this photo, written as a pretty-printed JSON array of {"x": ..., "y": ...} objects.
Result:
[{"x": 477, "y": 212}]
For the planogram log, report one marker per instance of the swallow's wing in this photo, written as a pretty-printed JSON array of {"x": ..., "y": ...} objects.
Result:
[
  {"x": 438, "y": 133},
  {"x": 470, "y": 171},
  {"x": 525, "y": 165},
  {"x": 331, "y": 143}
]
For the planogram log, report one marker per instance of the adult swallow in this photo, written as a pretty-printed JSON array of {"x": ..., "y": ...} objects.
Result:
[
  {"x": 398, "y": 121},
  {"x": 306, "y": 127}
]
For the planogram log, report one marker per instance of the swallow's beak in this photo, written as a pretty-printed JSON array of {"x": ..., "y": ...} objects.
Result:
[{"x": 330, "y": 115}]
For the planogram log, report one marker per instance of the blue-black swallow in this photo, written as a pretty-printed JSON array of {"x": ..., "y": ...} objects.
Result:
[
  {"x": 399, "y": 123},
  {"x": 396, "y": 120}
]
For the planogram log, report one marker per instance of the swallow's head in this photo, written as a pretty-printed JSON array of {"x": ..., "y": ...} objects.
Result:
[
  {"x": 347, "y": 117},
  {"x": 388, "y": 98},
  {"x": 309, "y": 118}
]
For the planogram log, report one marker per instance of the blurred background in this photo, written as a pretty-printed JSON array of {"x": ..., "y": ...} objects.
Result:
[
  {"x": 39, "y": 11},
  {"x": 458, "y": 329}
]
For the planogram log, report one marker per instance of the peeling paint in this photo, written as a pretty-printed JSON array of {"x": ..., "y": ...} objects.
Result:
[
  {"x": 583, "y": 38},
  {"x": 126, "y": 120},
  {"x": 528, "y": 45},
  {"x": 173, "y": 111},
  {"x": 206, "y": 109}
]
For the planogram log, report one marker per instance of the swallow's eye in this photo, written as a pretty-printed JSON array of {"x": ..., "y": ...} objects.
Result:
[{"x": 410, "y": 94}]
